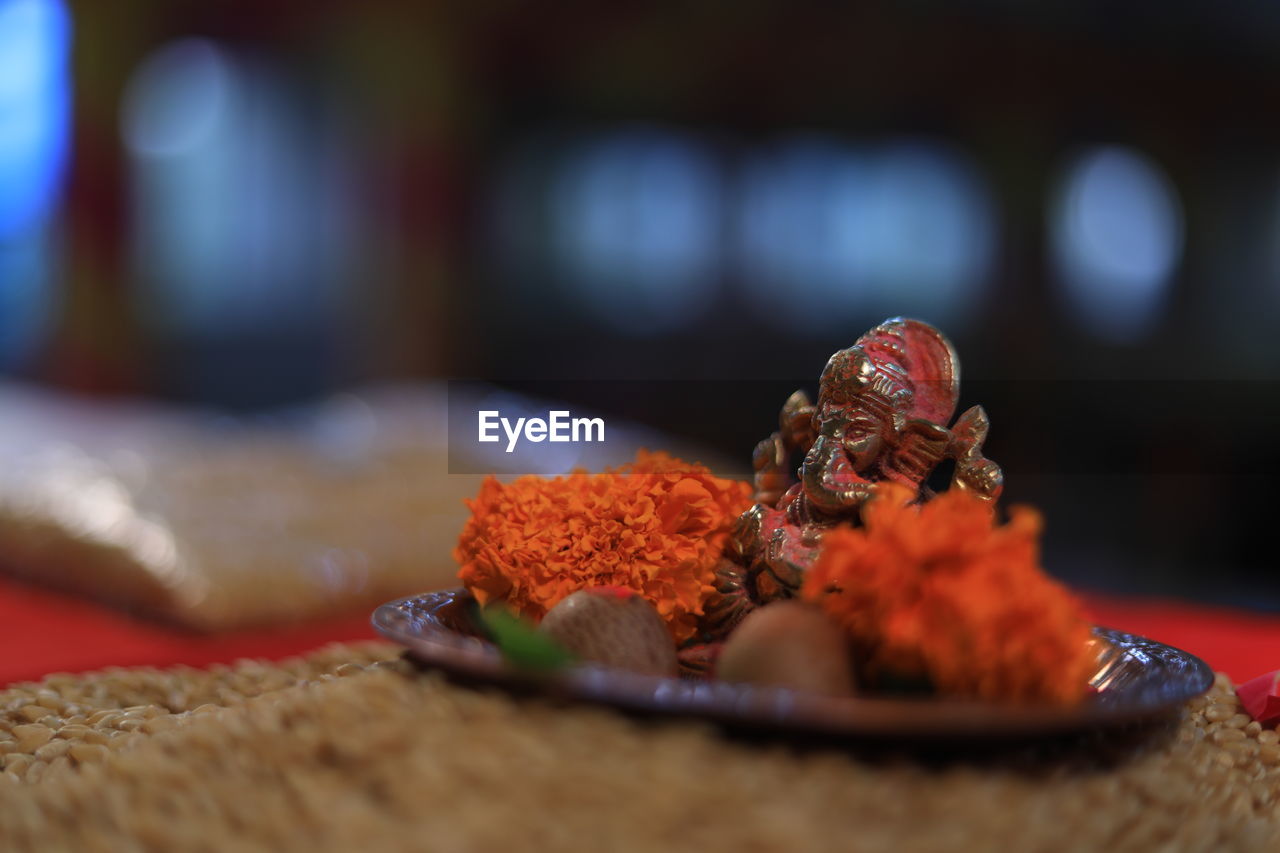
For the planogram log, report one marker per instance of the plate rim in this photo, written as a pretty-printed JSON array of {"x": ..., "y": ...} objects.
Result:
[{"x": 778, "y": 708}]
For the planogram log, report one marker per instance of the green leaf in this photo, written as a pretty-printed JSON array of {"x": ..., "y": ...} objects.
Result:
[{"x": 523, "y": 645}]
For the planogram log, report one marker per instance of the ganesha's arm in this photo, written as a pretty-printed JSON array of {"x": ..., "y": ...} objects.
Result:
[
  {"x": 728, "y": 603},
  {"x": 790, "y": 552},
  {"x": 771, "y": 475},
  {"x": 830, "y": 483},
  {"x": 979, "y": 476},
  {"x": 766, "y": 562},
  {"x": 731, "y": 597},
  {"x": 974, "y": 472}
]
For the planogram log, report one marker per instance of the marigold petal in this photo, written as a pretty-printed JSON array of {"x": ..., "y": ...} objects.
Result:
[
  {"x": 657, "y": 526},
  {"x": 942, "y": 590}
]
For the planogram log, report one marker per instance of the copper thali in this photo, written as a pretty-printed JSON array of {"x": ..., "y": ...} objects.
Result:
[{"x": 1137, "y": 681}]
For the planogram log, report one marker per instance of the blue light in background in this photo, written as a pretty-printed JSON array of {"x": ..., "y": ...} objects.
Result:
[
  {"x": 831, "y": 234},
  {"x": 930, "y": 235},
  {"x": 637, "y": 218},
  {"x": 179, "y": 125},
  {"x": 800, "y": 211},
  {"x": 34, "y": 110},
  {"x": 1116, "y": 230},
  {"x": 240, "y": 217},
  {"x": 26, "y": 298},
  {"x": 179, "y": 100},
  {"x": 35, "y": 104}
]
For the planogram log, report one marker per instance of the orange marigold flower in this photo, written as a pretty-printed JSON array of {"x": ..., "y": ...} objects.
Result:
[
  {"x": 941, "y": 590},
  {"x": 657, "y": 526}
]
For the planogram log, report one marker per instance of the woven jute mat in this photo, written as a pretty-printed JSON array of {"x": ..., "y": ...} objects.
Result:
[{"x": 351, "y": 749}]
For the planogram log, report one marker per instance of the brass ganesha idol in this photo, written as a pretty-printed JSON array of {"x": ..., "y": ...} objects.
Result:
[{"x": 881, "y": 416}]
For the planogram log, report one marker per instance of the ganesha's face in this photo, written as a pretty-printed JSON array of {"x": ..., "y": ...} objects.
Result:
[{"x": 863, "y": 433}]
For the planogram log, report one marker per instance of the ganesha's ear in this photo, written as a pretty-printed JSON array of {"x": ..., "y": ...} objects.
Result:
[{"x": 934, "y": 368}]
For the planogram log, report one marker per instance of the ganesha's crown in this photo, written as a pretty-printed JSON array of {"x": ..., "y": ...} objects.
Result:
[
  {"x": 905, "y": 365},
  {"x": 859, "y": 372}
]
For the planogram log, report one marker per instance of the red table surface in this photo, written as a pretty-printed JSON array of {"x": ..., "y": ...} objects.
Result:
[{"x": 43, "y": 632}]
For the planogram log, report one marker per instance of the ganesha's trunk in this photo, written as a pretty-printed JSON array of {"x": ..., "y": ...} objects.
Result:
[{"x": 830, "y": 483}]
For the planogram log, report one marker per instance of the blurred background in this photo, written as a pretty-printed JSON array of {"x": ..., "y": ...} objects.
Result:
[{"x": 246, "y": 205}]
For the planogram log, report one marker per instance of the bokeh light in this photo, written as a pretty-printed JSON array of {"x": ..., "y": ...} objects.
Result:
[
  {"x": 27, "y": 297},
  {"x": 35, "y": 97},
  {"x": 179, "y": 101},
  {"x": 34, "y": 110},
  {"x": 795, "y": 240},
  {"x": 1116, "y": 229},
  {"x": 830, "y": 233},
  {"x": 637, "y": 223},
  {"x": 239, "y": 217}
]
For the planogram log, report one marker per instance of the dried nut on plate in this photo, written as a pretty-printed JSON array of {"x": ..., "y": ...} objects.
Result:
[
  {"x": 613, "y": 626},
  {"x": 789, "y": 644}
]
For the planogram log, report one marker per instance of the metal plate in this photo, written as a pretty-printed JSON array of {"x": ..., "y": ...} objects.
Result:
[{"x": 1137, "y": 681}]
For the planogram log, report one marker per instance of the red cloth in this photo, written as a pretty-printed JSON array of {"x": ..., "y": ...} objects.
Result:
[
  {"x": 1242, "y": 643},
  {"x": 43, "y": 632}
]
